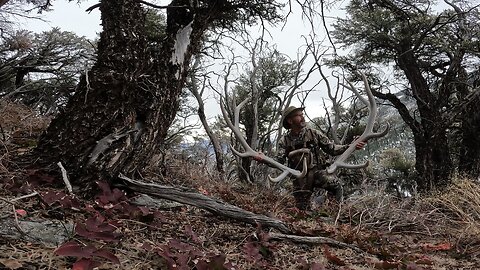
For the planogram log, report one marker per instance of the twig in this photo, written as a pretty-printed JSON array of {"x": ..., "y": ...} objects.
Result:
[
  {"x": 87, "y": 82},
  {"x": 339, "y": 210},
  {"x": 17, "y": 224},
  {"x": 24, "y": 197},
  {"x": 313, "y": 240},
  {"x": 65, "y": 178},
  {"x": 7, "y": 201},
  {"x": 3, "y": 133}
]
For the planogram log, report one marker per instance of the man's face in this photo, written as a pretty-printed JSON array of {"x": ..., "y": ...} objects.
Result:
[{"x": 296, "y": 120}]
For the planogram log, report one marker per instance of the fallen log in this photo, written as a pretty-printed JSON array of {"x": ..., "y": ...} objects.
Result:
[
  {"x": 218, "y": 207},
  {"x": 187, "y": 196}
]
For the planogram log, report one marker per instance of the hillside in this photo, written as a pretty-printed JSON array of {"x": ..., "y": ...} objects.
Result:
[{"x": 44, "y": 226}]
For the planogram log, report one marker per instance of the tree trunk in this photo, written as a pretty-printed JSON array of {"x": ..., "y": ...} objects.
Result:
[
  {"x": 121, "y": 111},
  {"x": 217, "y": 146},
  {"x": 245, "y": 171},
  {"x": 469, "y": 162},
  {"x": 433, "y": 161}
]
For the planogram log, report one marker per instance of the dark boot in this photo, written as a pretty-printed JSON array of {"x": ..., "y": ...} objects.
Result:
[
  {"x": 337, "y": 191},
  {"x": 302, "y": 200}
]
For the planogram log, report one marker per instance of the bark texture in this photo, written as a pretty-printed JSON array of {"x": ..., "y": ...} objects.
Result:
[{"x": 122, "y": 110}]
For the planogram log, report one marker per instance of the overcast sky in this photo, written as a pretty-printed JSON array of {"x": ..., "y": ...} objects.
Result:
[{"x": 71, "y": 16}]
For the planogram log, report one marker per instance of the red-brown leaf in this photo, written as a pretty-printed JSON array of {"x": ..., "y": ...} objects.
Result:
[
  {"x": 437, "y": 247},
  {"x": 106, "y": 254},
  {"x": 74, "y": 249},
  {"x": 387, "y": 265},
  {"x": 85, "y": 264},
  {"x": 332, "y": 257}
]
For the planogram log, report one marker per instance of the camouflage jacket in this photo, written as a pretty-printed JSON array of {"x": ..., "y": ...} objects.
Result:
[{"x": 319, "y": 144}]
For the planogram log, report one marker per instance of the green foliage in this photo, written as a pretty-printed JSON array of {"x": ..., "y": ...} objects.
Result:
[
  {"x": 42, "y": 70},
  {"x": 155, "y": 28},
  {"x": 378, "y": 32},
  {"x": 432, "y": 52},
  {"x": 394, "y": 159},
  {"x": 234, "y": 14},
  {"x": 274, "y": 71}
]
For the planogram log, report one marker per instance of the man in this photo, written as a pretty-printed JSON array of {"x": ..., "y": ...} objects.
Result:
[{"x": 301, "y": 136}]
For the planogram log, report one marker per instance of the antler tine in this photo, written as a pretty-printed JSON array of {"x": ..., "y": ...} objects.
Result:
[
  {"x": 249, "y": 152},
  {"x": 236, "y": 128},
  {"x": 367, "y": 133}
]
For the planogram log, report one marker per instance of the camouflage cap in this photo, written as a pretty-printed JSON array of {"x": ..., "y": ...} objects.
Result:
[{"x": 287, "y": 113}]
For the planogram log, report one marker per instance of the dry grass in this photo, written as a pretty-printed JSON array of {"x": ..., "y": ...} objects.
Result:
[
  {"x": 19, "y": 130},
  {"x": 452, "y": 214},
  {"x": 19, "y": 118},
  {"x": 458, "y": 212}
]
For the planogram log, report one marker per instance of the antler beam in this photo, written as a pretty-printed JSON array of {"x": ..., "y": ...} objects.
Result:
[
  {"x": 367, "y": 133},
  {"x": 249, "y": 152}
]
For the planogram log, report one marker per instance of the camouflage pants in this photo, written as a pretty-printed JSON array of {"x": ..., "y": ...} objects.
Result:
[{"x": 315, "y": 178}]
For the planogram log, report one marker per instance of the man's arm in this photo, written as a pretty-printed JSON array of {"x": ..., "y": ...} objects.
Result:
[
  {"x": 281, "y": 155},
  {"x": 329, "y": 146}
]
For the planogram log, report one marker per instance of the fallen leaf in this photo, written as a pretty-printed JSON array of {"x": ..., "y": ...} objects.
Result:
[
  {"x": 21, "y": 212},
  {"x": 387, "y": 265},
  {"x": 75, "y": 249},
  {"x": 332, "y": 257},
  {"x": 437, "y": 247},
  {"x": 85, "y": 264}
]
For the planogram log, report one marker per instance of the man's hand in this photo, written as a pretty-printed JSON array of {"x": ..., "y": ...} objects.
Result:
[
  {"x": 259, "y": 157},
  {"x": 359, "y": 145}
]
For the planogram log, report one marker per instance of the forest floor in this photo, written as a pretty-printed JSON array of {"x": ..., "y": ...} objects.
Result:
[{"x": 43, "y": 226}]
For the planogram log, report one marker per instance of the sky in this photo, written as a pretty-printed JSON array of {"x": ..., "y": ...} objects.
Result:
[{"x": 71, "y": 16}]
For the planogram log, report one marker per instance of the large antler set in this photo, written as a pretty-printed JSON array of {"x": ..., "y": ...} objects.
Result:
[
  {"x": 249, "y": 152},
  {"x": 367, "y": 134},
  {"x": 339, "y": 162}
]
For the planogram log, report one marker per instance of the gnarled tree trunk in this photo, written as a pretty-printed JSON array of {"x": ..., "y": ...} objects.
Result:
[
  {"x": 121, "y": 111},
  {"x": 433, "y": 158}
]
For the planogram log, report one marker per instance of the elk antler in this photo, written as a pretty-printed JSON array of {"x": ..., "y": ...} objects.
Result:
[
  {"x": 367, "y": 133},
  {"x": 249, "y": 152}
]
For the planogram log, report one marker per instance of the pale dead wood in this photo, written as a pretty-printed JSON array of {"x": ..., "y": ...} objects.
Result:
[
  {"x": 367, "y": 134},
  {"x": 65, "y": 178},
  {"x": 187, "y": 196},
  {"x": 315, "y": 240},
  {"x": 24, "y": 197}
]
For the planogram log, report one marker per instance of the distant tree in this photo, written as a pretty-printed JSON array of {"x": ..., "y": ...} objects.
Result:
[
  {"x": 42, "y": 70},
  {"x": 197, "y": 86},
  {"x": 432, "y": 52},
  {"x": 120, "y": 115}
]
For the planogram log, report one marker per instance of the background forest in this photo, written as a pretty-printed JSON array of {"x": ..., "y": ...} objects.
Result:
[{"x": 110, "y": 160}]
